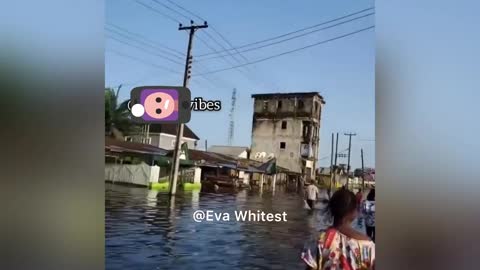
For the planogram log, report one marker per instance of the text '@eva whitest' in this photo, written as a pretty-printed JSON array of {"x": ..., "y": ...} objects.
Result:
[{"x": 238, "y": 216}]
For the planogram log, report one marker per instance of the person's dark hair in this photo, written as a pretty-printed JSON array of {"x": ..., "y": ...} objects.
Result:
[
  {"x": 341, "y": 203},
  {"x": 371, "y": 195}
]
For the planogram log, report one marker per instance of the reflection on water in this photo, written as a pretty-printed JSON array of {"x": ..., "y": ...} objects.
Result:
[{"x": 147, "y": 230}]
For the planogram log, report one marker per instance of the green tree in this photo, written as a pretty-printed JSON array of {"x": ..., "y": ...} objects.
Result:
[{"x": 117, "y": 116}]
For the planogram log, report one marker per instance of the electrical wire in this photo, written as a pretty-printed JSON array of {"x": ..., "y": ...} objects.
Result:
[
  {"x": 289, "y": 52},
  {"x": 291, "y": 38},
  {"x": 297, "y": 31}
]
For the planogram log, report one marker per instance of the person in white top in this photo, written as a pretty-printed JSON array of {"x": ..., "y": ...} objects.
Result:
[{"x": 312, "y": 194}]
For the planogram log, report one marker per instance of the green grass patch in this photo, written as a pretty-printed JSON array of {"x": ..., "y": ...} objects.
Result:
[
  {"x": 159, "y": 186},
  {"x": 192, "y": 186}
]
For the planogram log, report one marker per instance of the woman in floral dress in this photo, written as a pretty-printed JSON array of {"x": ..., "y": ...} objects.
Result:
[{"x": 340, "y": 246}]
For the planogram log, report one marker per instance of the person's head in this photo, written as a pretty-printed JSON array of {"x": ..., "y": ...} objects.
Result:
[
  {"x": 343, "y": 207},
  {"x": 371, "y": 195}
]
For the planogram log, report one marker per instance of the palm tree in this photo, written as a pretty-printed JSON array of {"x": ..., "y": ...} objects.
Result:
[{"x": 117, "y": 116}]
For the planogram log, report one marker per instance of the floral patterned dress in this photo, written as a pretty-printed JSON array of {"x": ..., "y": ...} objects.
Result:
[{"x": 334, "y": 250}]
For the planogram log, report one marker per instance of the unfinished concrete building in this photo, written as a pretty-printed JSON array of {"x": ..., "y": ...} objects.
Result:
[{"x": 286, "y": 126}]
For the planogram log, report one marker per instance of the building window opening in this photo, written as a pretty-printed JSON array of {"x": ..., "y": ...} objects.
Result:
[
  {"x": 265, "y": 105},
  {"x": 300, "y": 104},
  {"x": 316, "y": 107},
  {"x": 284, "y": 124},
  {"x": 283, "y": 145},
  {"x": 279, "y": 104},
  {"x": 306, "y": 129}
]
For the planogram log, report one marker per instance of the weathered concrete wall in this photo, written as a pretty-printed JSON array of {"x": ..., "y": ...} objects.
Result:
[
  {"x": 267, "y": 136},
  {"x": 280, "y": 119},
  {"x": 164, "y": 141},
  {"x": 167, "y": 142}
]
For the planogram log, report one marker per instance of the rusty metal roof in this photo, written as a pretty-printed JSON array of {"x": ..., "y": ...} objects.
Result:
[{"x": 118, "y": 146}]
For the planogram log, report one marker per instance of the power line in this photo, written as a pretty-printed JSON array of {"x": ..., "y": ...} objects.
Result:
[
  {"x": 214, "y": 29},
  {"x": 142, "y": 49},
  {"x": 159, "y": 12},
  {"x": 148, "y": 63},
  {"x": 294, "y": 37},
  {"x": 223, "y": 58},
  {"x": 186, "y": 10},
  {"x": 288, "y": 52},
  {"x": 172, "y": 51},
  {"x": 169, "y": 8},
  {"x": 212, "y": 38},
  {"x": 296, "y": 31},
  {"x": 143, "y": 44},
  {"x": 143, "y": 61}
]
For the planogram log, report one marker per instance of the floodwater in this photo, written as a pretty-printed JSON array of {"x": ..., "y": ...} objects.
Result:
[{"x": 144, "y": 229}]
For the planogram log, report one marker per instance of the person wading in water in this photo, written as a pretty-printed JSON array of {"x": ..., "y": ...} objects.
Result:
[
  {"x": 312, "y": 194},
  {"x": 340, "y": 246}
]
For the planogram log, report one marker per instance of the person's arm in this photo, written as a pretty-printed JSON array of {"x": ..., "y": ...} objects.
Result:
[{"x": 312, "y": 255}]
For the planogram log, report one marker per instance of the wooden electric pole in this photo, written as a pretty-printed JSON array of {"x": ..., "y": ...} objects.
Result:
[
  {"x": 363, "y": 171},
  {"x": 335, "y": 164},
  {"x": 349, "y": 151},
  {"x": 331, "y": 166},
  {"x": 186, "y": 77}
]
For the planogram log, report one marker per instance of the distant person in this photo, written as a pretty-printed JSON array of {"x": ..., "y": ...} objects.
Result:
[
  {"x": 359, "y": 197},
  {"x": 369, "y": 213},
  {"x": 340, "y": 246},
  {"x": 312, "y": 194}
]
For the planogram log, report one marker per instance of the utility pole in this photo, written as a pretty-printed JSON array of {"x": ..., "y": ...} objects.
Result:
[
  {"x": 331, "y": 166},
  {"x": 336, "y": 151},
  {"x": 232, "y": 117},
  {"x": 147, "y": 134},
  {"x": 335, "y": 165},
  {"x": 186, "y": 77},
  {"x": 349, "y": 151},
  {"x": 363, "y": 171},
  {"x": 206, "y": 145}
]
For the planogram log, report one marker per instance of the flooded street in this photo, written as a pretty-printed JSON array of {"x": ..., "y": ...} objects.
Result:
[{"x": 144, "y": 230}]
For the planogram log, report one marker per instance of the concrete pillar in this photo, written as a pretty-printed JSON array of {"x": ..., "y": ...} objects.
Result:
[
  {"x": 197, "y": 175},
  {"x": 274, "y": 183},
  {"x": 262, "y": 178},
  {"x": 154, "y": 174}
]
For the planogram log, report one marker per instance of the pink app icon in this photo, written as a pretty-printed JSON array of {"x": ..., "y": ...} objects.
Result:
[{"x": 160, "y": 104}]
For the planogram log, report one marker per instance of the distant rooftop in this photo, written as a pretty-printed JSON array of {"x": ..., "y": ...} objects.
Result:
[
  {"x": 228, "y": 150},
  {"x": 291, "y": 94},
  {"x": 171, "y": 129}
]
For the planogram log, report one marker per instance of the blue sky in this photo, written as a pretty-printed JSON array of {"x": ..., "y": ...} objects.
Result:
[{"x": 341, "y": 70}]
